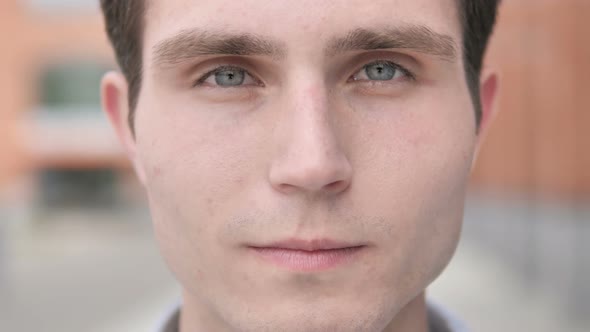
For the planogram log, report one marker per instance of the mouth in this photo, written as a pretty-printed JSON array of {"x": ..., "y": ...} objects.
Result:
[{"x": 308, "y": 255}]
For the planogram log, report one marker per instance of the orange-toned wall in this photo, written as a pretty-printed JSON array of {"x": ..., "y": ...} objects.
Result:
[
  {"x": 13, "y": 91},
  {"x": 35, "y": 40},
  {"x": 540, "y": 141}
]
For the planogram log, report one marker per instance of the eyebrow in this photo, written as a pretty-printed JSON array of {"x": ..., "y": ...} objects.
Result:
[
  {"x": 418, "y": 38},
  {"x": 189, "y": 44}
]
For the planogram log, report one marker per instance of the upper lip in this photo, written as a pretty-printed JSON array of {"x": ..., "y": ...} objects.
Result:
[{"x": 310, "y": 245}]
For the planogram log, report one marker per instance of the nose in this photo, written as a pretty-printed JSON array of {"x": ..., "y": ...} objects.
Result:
[{"x": 309, "y": 157}]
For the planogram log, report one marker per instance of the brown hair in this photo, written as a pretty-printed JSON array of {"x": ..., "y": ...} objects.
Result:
[
  {"x": 125, "y": 20},
  {"x": 124, "y": 25}
]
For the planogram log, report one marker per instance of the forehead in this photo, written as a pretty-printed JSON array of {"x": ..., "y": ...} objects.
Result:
[{"x": 302, "y": 24}]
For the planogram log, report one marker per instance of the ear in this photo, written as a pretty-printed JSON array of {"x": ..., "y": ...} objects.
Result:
[
  {"x": 114, "y": 92},
  {"x": 488, "y": 96}
]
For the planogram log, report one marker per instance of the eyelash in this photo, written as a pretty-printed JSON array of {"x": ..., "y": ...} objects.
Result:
[{"x": 409, "y": 75}]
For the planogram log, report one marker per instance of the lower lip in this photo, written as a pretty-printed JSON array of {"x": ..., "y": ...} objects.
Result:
[{"x": 308, "y": 261}]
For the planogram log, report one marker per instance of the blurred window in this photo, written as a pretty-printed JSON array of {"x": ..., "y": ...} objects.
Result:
[
  {"x": 71, "y": 87},
  {"x": 88, "y": 188},
  {"x": 72, "y": 138}
]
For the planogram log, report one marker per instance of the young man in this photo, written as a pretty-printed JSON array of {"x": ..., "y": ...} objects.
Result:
[{"x": 305, "y": 161}]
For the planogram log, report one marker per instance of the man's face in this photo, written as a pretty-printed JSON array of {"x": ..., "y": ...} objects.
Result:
[{"x": 319, "y": 127}]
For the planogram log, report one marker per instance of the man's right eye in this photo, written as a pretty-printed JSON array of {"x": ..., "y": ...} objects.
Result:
[{"x": 227, "y": 77}]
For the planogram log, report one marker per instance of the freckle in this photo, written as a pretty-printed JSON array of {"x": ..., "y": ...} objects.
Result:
[
  {"x": 313, "y": 93},
  {"x": 239, "y": 182},
  {"x": 157, "y": 171},
  {"x": 209, "y": 203}
]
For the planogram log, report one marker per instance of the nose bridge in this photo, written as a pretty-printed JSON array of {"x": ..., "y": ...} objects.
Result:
[
  {"x": 309, "y": 157},
  {"x": 310, "y": 118}
]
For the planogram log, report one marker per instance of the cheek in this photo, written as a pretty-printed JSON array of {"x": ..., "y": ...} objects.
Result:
[
  {"x": 196, "y": 170},
  {"x": 191, "y": 153},
  {"x": 419, "y": 147},
  {"x": 415, "y": 177}
]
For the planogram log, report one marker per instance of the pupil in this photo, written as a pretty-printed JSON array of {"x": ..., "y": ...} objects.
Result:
[
  {"x": 230, "y": 77},
  {"x": 380, "y": 71}
]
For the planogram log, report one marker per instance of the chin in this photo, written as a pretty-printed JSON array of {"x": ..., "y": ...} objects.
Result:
[
  {"x": 315, "y": 322},
  {"x": 341, "y": 316}
]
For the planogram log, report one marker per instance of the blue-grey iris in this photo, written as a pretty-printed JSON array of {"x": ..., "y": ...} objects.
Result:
[
  {"x": 230, "y": 77},
  {"x": 380, "y": 71}
]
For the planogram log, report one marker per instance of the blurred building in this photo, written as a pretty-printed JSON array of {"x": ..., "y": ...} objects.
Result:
[{"x": 50, "y": 119}]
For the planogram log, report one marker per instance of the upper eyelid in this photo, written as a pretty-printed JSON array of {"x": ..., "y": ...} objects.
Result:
[{"x": 407, "y": 61}]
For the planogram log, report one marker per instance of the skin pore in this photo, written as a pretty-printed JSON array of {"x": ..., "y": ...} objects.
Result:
[{"x": 264, "y": 120}]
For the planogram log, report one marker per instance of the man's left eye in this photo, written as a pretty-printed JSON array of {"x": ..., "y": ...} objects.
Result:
[
  {"x": 380, "y": 71},
  {"x": 227, "y": 76}
]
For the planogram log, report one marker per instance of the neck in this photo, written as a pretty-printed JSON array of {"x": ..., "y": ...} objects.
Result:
[
  {"x": 197, "y": 317},
  {"x": 412, "y": 318}
]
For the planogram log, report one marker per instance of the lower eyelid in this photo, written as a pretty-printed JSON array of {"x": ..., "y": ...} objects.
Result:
[{"x": 406, "y": 77}]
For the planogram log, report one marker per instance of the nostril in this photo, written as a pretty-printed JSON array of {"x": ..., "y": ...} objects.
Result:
[
  {"x": 337, "y": 186},
  {"x": 286, "y": 188}
]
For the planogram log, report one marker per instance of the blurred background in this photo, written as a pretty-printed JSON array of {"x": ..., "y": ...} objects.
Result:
[{"x": 76, "y": 248}]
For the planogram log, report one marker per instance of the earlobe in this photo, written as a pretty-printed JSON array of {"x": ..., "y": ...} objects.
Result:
[
  {"x": 488, "y": 97},
  {"x": 114, "y": 92}
]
